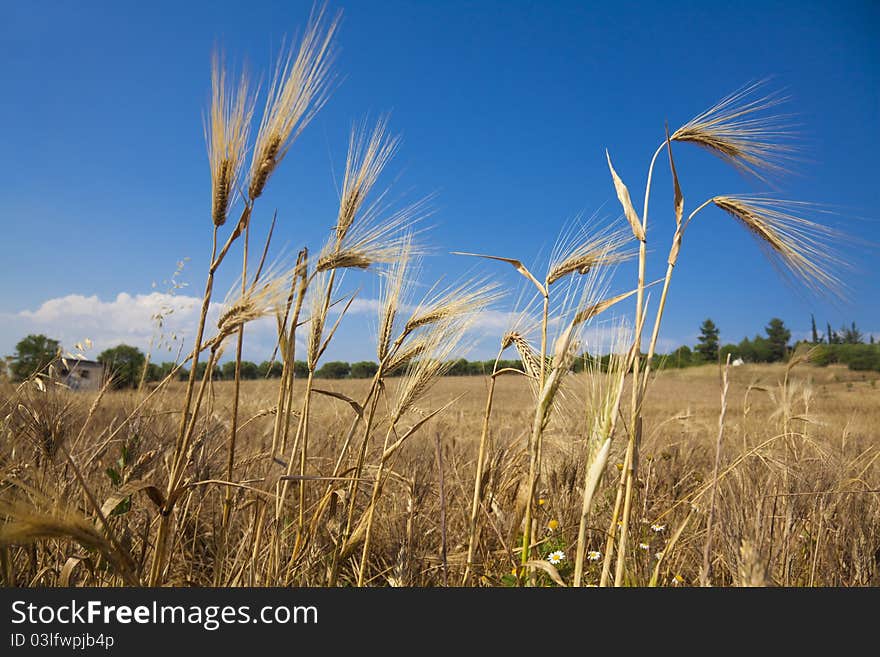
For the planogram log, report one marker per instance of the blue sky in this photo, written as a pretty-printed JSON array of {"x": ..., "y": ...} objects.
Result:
[{"x": 505, "y": 109}]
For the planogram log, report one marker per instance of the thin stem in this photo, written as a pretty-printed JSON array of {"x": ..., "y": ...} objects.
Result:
[
  {"x": 635, "y": 424},
  {"x": 535, "y": 441},
  {"x": 706, "y": 572},
  {"x": 612, "y": 528},
  {"x": 442, "y": 493},
  {"x": 304, "y": 419},
  {"x": 353, "y": 485},
  {"x": 478, "y": 477},
  {"x": 377, "y": 486},
  {"x": 159, "y": 552},
  {"x": 233, "y": 428},
  {"x": 673, "y": 257}
]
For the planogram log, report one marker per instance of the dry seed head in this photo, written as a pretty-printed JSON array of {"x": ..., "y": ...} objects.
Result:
[
  {"x": 263, "y": 298},
  {"x": 318, "y": 310},
  {"x": 581, "y": 253},
  {"x": 440, "y": 342},
  {"x": 736, "y": 130},
  {"x": 299, "y": 89},
  {"x": 459, "y": 299},
  {"x": 226, "y": 133},
  {"x": 345, "y": 260},
  {"x": 409, "y": 352},
  {"x": 366, "y": 159},
  {"x": 803, "y": 248},
  {"x": 393, "y": 283},
  {"x": 530, "y": 358},
  {"x": 373, "y": 239}
]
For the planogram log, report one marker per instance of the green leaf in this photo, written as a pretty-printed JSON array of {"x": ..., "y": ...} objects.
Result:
[{"x": 114, "y": 476}]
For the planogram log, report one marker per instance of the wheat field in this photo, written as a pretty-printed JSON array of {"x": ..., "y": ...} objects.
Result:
[
  {"x": 793, "y": 509},
  {"x": 581, "y": 465}
]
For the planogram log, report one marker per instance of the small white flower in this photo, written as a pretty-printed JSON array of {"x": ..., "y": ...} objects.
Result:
[
  {"x": 594, "y": 555},
  {"x": 658, "y": 528},
  {"x": 556, "y": 557},
  {"x": 658, "y": 555},
  {"x": 644, "y": 546}
]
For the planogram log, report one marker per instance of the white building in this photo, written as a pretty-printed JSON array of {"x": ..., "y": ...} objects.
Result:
[{"x": 81, "y": 374}]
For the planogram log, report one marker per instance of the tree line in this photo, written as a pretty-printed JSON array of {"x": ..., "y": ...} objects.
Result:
[
  {"x": 846, "y": 346},
  {"x": 129, "y": 366}
]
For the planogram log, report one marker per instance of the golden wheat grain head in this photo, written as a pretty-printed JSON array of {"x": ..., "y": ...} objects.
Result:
[
  {"x": 368, "y": 154},
  {"x": 226, "y": 134},
  {"x": 378, "y": 237},
  {"x": 299, "y": 89},
  {"x": 394, "y": 282},
  {"x": 738, "y": 130},
  {"x": 582, "y": 250},
  {"x": 440, "y": 341},
  {"x": 263, "y": 297},
  {"x": 795, "y": 245},
  {"x": 469, "y": 296}
]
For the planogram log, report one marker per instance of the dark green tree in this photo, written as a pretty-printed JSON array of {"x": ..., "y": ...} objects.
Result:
[
  {"x": 729, "y": 349},
  {"x": 32, "y": 354},
  {"x": 833, "y": 338},
  {"x": 851, "y": 335},
  {"x": 271, "y": 369},
  {"x": 247, "y": 371},
  {"x": 459, "y": 368},
  {"x": 335, "y": 369},
  {"x": 124, "y": 364},
  {"x": 364, "y": 369},
  {"x": 816, "y": 338},
  {"x": 216, "y": 373},
  {"x": 681, "y": 357},
  {"x": 707, "y": 345},
  {"x": 777, "y": 339}
]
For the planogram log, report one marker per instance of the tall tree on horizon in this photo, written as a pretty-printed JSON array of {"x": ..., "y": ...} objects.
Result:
[
  {"x": 777, "y": 337},
  {"x": 707, "y": 346},
  {"x": 816, "y": 339}
]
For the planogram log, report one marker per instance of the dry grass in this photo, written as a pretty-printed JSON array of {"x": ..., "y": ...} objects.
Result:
[{"x": 796, "y": 506}]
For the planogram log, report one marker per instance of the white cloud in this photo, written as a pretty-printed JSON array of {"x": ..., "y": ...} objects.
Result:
[
  {"x": 131, "y": 319},
  {"x": 165, "y": 320}
]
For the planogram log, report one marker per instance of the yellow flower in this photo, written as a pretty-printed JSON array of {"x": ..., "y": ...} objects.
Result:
[
  {"x": 541, "y": 501},
  {"x": 553, "y": 524}
]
